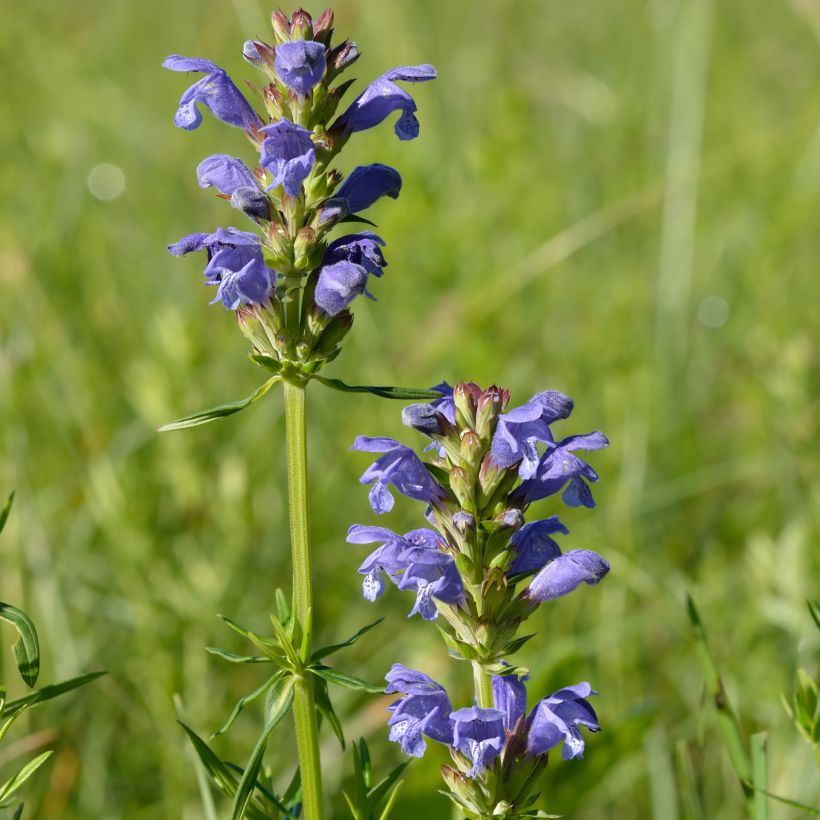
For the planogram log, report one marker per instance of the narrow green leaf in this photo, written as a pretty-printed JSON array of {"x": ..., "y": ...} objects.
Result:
[
  {"x": 787, "y": 801},
  {"x": 4, "y": 513},
  {"x": 205, "y": 416},
  {"x": 354, "y": 812},
  {"x": 367, "y": 765},
  {"x": 400, "y": 393},
  {"x": 19, "y": 813},
  {"x": 27, "y": 648},
  {"x": 48, "y": 692},
  {"x": 329, "y": 650},
  {"x": 728, "y": 723},
  {"x": 391, "y": 802},
  {"x": 222, "y": 775},
  {"x": 280, "y": 707},
  {"x": 325, "y": 707},
  {"x": 343, "y": 679},
  {"x": 282, "y": 607},
  {"x": 285, "y": 642},
  {"x": 377, "y": 793},
  {"x": 760, "y": 778},
  {"x": 268, "y": 362},
  {"x": 359, "y": 779},
  {"x": 249, "y": 698},
  {"x": 266, "y": 645},
  {"x": 232, "y": 657},
  {"x": 14, "y": 783}
]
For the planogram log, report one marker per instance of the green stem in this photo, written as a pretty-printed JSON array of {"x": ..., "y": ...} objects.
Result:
[
  {"x": 304, "y": 710},
  {"x": 483, "y": 686}
]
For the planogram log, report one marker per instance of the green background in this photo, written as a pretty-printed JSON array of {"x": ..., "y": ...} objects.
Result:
[{"x": 587, "y": 174}]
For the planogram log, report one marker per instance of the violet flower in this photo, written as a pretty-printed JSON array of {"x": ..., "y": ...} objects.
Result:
[
  {"x": 381, "y": 98},
  {"x": 520, "y": 429},
  {"x": 479, "y": 735},
  {"x": 235, "y": 265},
  {"x": 289, "y": 155},
  {"x": 558, "y": 717},
  {"x": 559, "y": 466},
  {"x": 300, "y": 65},
  {"x": 433, "y": 574},
  {"x": 510, "y": 698},
  {"x": 367, "y": 183},
  {"x": 566, "y": 573},
  {"x": 345, "y": 268},
  {"x": 423, "y": 709},
  {"x": 226, "y": 173},
  {"x": 533, "y": 545},
  {"x": 215, "y": 91},
  {"x": 399, "y": 466}
]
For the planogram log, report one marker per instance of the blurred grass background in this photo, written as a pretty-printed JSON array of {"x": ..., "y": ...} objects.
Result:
[{"x": 614, "y": 199}]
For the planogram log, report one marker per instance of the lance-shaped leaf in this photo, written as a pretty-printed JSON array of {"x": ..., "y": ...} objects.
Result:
[
  {"x": 4, "y": 513},
  {"x": 226, "y": 779},
  {"x": 279, "y": 707},
  {"x": 27, "y": 648},
  {"x": 345, "y": 680},
  {"x": 47, "y": 693},
  {"x": 17, "y": 780},
  {"x": 232, "y": 657},
  {"x": 268, "y": 646},
  {"x": 329, "y": 650},
  {"x": 400, "y": 393},
  {"x": 326, "y": 710},
  {"x": 205, "y": 416},
  {"x": 249, "y": 698}
]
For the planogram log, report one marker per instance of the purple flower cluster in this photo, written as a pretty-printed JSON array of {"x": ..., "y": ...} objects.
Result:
[
  {"x": 482, "y": 735},
  {"x": 290, "y": 191}
]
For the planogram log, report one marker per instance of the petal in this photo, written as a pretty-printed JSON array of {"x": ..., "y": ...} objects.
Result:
[{"x": 226, "y": 173}]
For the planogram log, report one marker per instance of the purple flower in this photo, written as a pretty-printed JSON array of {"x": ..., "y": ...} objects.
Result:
[
  {"x": 565, "y": 573},
  {"x": 225, "y": 173},
  {"x": 423, "y": 709},
  {"x": 367, "y": 183},
  {"x": 215, "y": 91},
  {"x": 300, "y": 64},
  {"x": 510, "y": 698},
  {"x": 533, "y": 545},
  {"x": 430, "y": 418},
  {"x": 479, "y": 735},
  {"x": 399, "y": 466},
  {"x": 381, "y": 98},
  {"x": 559, "y": 466},
  {"x": 432, "y": 574},
  {"x": 558, "y": 717},
  {"x": 388, "y": 558},
  {"x": 289, "y": 155},
  {"x": 235, "y": 265},
  {"x": 519, "y": 430},
  {"x": 345, "y": 268}
]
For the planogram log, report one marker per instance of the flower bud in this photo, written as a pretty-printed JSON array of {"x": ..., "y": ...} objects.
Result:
[
  {"x": 342, "y": 56},
  {"x": 326, "y": 107},
  {"x": 463, "y": 521},
  {"x": 301, "y": 25},
  {"x": 323, "y": 27},
  {"x": 334, "y": 333},
  {"x": 259, "y": 53},
  {"x": 490, "y": 405},
  {"x": 462, "y": 486},
  {"x": 276, "y": 103},
  {"x": 472, "y": 450},
  {"x": 304, "y": 247},
  {"x": 252, "y": 202},
  {"x": 280, "y": 26},
  {"x": 464, "y": 396}
]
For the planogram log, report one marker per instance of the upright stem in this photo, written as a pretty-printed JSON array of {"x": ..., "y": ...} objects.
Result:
[
  {"x": 483, "y": 686},
  {"x": 304, "y": 711}
]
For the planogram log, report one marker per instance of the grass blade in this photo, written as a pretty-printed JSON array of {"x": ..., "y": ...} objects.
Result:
[{"x": 27, "y": 648}]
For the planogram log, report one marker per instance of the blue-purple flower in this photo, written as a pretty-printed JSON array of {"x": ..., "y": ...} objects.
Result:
[
  {"x": 510, "y": 698},
  {"x": 225, "y": 173},
  {"x": 559, "y": 468},
  {"x": 300, "y": 65},
  {"x": 429, "y": 418},
  {"x": 345, "y": 269},
  {"x": 235, "y": 265},
  {"x": 433, "y": 574},
  {"x": 533, "y": 545},
  {"x": 558, "y": 717},
  {"x": 367, "y": 183},
  {"x": 381, "y": 98},
  {"x": 423, "y": 709},
  {"x": 399, "y": 467},
  {"x": 566, "y": 573},
  {"x": 215, "y": 91},
  {"x": 522, "y": 428},
  {"x": 479, "y": 735},
  {"x": 288, "y": 153}
]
